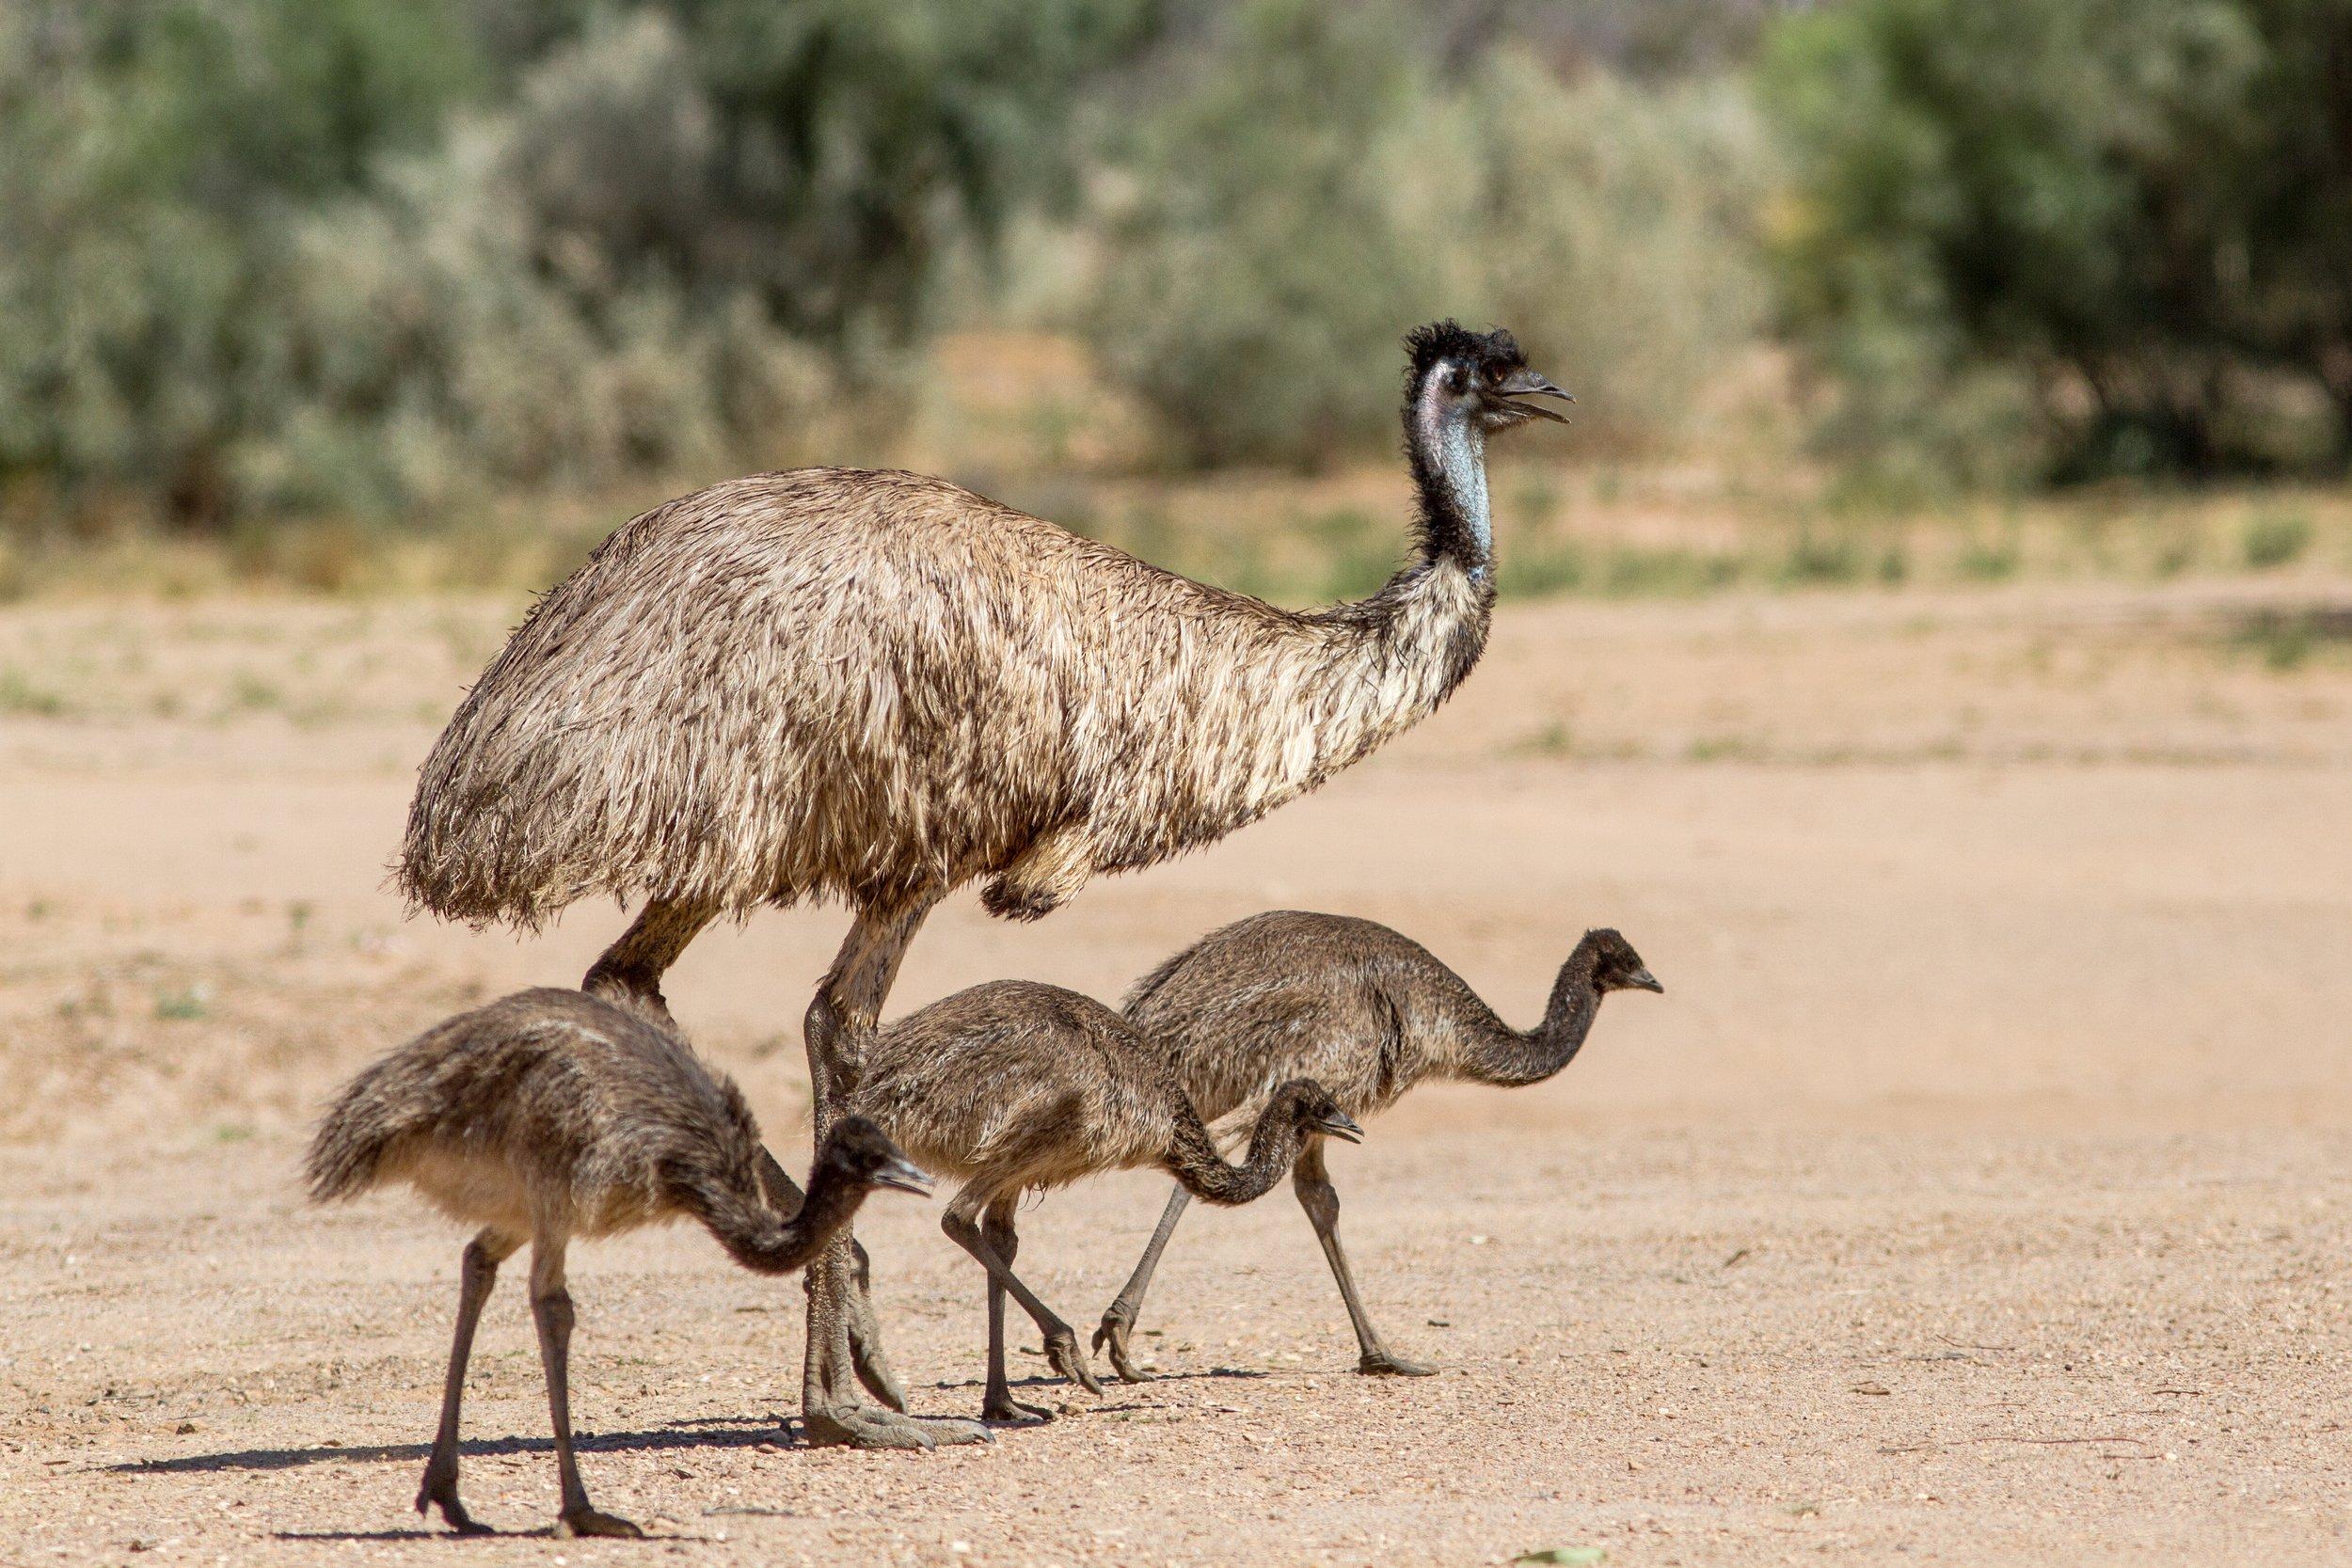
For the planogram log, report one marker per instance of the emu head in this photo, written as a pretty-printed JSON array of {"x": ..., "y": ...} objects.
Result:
[
  {"x": 1616, "y": 966},
  {"x": 1477, "y": 377}
]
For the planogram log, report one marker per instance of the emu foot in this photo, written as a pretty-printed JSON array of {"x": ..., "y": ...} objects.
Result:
[
  {"x": 870, "y": 1426},
  {"x": 1112, "y": 1338},
  {"x": 999, "y": 1405},
  {"x": 440, "y": 1490},
  {"x": 588, "y": 1521},
  {"x": 1063, "y": 1354},
  {"x": 1386, "y": 1363}
]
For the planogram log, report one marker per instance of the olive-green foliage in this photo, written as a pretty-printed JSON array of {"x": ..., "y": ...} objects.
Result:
[
  {"x": 1308, "y": 190},
  {"x": 2039, "y": 238},
  {"x": 149, "y": 151},
  {"x": 1256, "y": 281},
  {"x": 1610, "y": 227},
  {"x": 261, "y": 254}
]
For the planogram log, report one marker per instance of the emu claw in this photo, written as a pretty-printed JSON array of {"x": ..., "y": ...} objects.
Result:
[
  {"x": 441, "y": 1491},
  {"x": 870, "y": 1426},
  {"x": 587, "y": 1521},
  {"x": 1389, "y": 1364},
  {"x": 1063, "y": 1353},
  {"x": 1006, "y": 1408},
  {"x": 1112, "y": 1338}
]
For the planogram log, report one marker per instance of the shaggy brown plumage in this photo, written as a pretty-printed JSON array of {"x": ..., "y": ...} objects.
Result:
[
  {"x": 878, "y": 687},
  {"x": 1016, "y": 1087},
  {"x": 1361, "y": 1008},
  {"x": 550, "y": 1116}
]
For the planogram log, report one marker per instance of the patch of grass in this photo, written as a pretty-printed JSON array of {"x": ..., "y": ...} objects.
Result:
[
  {"x": 2285, "y": 641},
  {"x": 1577, "y": 1557},
  {"x": 1821, "y": 559},
  {"x": 1553, "y": 741},
  {"x": 1723, "y": 747},
  {"x": 2275, "y": 539},
  {"x": 251, "y": 693},
  {"x": 1645, "y": 571},
  {"x": 1990, "y": 560},
  {"x": 183, "y": 1005},
  {"x": 22, "y": 697},
  {"x": 1537, "y": 574}
]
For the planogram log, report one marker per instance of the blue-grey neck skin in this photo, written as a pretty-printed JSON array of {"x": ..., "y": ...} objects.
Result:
[{"x": 1457, "y": 454}]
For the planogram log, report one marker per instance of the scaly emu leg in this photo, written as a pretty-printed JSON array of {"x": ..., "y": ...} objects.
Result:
[
  {"x": 551, "y": 1308},
  {"x": 848, "y": 1004},
  {"x": 1061, "y": 1340},
  {"x": 997, "y": 1403},
  {"x": 477, "y": 1273},
  {"x": 1322, "y": 1202},
  {"x": 629, "y": 971},
  {"x": 866, "y": 1349},
  {"x": 1128, "y": 1305}
]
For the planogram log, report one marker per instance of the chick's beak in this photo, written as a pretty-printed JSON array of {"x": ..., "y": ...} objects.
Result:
[
  {"x": 1338, "y": 1124},
  {"x": 1527, "y": 384},
  {"x": 1642, "y": 979},
  {"x": 905, "y": 1174}
]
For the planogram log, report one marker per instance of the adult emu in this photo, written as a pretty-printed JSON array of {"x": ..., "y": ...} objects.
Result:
[{"x": 878, "y": 686}]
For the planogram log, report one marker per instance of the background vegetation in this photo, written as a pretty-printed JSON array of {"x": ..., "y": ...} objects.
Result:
[{"x": 273, "y": 268}]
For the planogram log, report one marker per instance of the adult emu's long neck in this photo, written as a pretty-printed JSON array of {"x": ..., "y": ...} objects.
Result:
[
  {"x": 1447, "y": 451},
  {"x": 1193, "y": 1161},
  {"x": 1509, "y": 1058}
]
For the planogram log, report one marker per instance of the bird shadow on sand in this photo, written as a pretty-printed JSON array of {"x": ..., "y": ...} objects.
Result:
[
  {"x": 539, "y": 1532},
  {"x": 706, "y": 1434}
]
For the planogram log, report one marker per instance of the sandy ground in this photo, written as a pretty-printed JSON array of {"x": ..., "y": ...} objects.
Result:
[{"x": 1975, "y": 1194}]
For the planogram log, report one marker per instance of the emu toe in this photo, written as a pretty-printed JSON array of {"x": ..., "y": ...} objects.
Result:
[
  {"x": 1385, "y": 1363},
  {"x": 1063, "y": 1354},
  {"x": 589, "y": 1521},
  {"x": 1111, "y": 1340}
]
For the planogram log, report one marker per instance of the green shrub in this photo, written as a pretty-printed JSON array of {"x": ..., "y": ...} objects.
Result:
[
  {"x": 2276, "y": 538},
  {"x": 1257, "y": 275},
  {"x": 2048, "y": 239},
  {"x": 1307, "y": 193}
]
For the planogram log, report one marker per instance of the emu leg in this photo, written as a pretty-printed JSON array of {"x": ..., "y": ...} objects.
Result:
[
  {"x": 1061, "y": 1340},
  {"x": 629, "y": 971},
  {"x": 866, "y": 1349},
  {"x": 1322, "y": 1202},
  {"x": 551, "y": 1308},
  {"x": 1128, "y": 1305},
  {"x": 997, "y": 1403},
  {"x": 477, "y": 1273},
  {"x": 834, "y": 1408}
]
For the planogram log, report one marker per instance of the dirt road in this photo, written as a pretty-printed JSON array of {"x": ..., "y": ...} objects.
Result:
[{"x": 1977, "y": 1194}]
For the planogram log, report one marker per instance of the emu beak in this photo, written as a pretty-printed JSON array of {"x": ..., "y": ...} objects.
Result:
[
  {"x": 1338, "y": 1124},
  {"x": 1642, "y": 979},
  {"x": 1527, "y": 384},
  {"x": 906, "y": 1176}
]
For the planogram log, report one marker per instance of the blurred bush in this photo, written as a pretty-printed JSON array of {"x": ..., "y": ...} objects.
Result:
[
  {"x": 2050, "y": 239},
  {"x": 1257, "y": 267},
  {"x": 286, "y": 254},
  {"x": 1611, "y": 227},
  {"x": 1309, "y": 192}
]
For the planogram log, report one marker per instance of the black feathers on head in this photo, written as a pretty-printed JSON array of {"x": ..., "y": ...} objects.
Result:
[{"x": 1450, "y": 339}]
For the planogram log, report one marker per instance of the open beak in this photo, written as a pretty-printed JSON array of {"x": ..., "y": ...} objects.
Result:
[
  {"x": 1527, "y": 384},
  {"x": 1338, "y": 1124},
  {"x": 1642, "y": 979},
  {"x": 906, "y": 1176}
]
